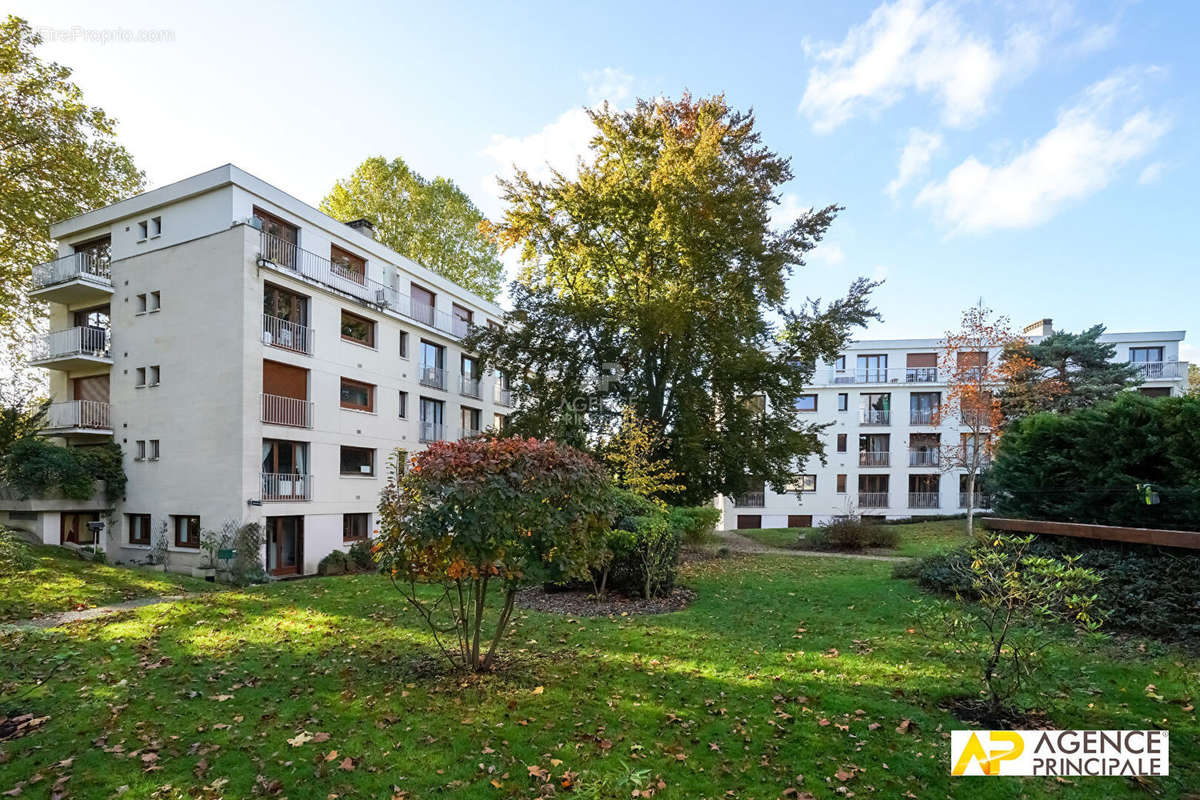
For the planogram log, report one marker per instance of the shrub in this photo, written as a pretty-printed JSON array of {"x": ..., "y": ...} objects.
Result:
[
  {"x": 247, "y": 567},
  {"x": 474, "y": 513},
  {"x": 14, "y": 554},
  {"x": 362, "y": 556},
  {"x": 34, "y": 466},
  {"x": 336, "y": 563},
  {"x": 852, "y": 534},
  {"x": 695, "y": 524}
]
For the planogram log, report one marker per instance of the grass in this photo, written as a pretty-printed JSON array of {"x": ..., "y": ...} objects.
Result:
[
  {"x": 917, "y": 539},
  {"x": 785, "y": 674},
  {"x": 59, "y": 580}
]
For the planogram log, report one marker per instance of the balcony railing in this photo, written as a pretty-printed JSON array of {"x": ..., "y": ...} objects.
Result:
[
  {"x": 468, "y": 386},
  {"x": 874, "y": 416},
  {"x": 872, "y": 499},
  {"x": 460, "y": 327},
  {"x": 467, "y": 433},
  {"x": 981, "y": 500},
  {"x": 921, "y": 416},
  {"x": 1161, "y": 370},
  {"x": 924, "y": 499},
  {"x": 87, "y": 414},
  {"x": 502, "y": 396},
  {"x": 751, "y": 500},
  {"x": 282, "y": 487},
  {"x": 81, "y": 341},
  {"x": 280, "y": 410},
  {"x": 433, "y": 377},
  {"x": 287, "y": 335},
  {"x": 883, "y": 375},
  {"x": 923, "y": 458},
  {"x": 432, "y": 432},
  {"x": 87, "y": 267},
  {"x": 873, "y": 458}
]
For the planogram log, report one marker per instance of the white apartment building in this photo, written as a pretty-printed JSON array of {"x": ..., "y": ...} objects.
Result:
[
  {"x": 882, "y": 449},
  {"x": 255, "y": 359}
]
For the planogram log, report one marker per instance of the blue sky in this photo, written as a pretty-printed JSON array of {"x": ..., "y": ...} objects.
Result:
[{"x": 1042, "y": 156}]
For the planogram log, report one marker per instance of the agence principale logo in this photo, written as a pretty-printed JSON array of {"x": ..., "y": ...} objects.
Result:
[{"x": 1047, "y": 753}]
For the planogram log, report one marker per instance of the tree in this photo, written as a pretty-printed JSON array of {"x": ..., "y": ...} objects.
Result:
[
  {"x": 433, "y": 222},
  {"x": 972, "y": 367},
  {"x": 1063, "y": 372},
  {"x": 1193, "y": 379},
  {"x": 631, "y": 453},
  {"x": 478, "y": 512},
  {"x": 58, "y": 157},
  {"x": 655, "y": 280}
]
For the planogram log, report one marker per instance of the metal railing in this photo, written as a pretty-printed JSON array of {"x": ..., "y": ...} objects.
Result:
[
  {"x": 874, "y": 458},
  {"x": 1161, "y": 370},
  {"x": 981, "y": 500},
  {"x": 79, "y": 341},
  {"x": 280, "y": 487},
  {"x": 433, "y": 377},
  {"x": 921, "y": 416},
  {"x": 468, "y": 386},
  {"x": 924, "y": 500},
  {"x": 883, "y": 375},
  {"x": 460, "y": 327},
  {"x": 432, "y": 432},
  {"x": 76, "y": 266},
  {"x": 467, "y": 433},
  {"x": 90, "y": 414},
  {"x": 874, "y": 416},
  {"x": 751, "y": 500},
  {"x": 279, "y": 332},
  {"x": 872, "y": 499},
  {"x": 280, "y": 410},
  {"x": 502, "y": 396},
  {"x": 924, "y": 458}
]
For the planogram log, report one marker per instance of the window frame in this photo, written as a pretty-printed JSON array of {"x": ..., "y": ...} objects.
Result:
[
  {"x": 177, "y": 520},
  {"x": 370, "y": 388},
  {"x": 843, "y": 401},
  {"x": 371, "y": 329},
  {"x": 129, "y": 527},
  {"x": 843, "y": 442},
  {"x": 403, "y": 401},
  {"x": 343, "y": 449},
  {"x": 805, "y": 396},
  {"x": 364, "y": 517}
]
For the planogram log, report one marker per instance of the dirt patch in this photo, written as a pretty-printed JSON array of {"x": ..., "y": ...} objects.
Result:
[
  {"x": 14, "y": 726},
  {"x": 975, "y": 711},
  {"x": 580, "y": 603}
]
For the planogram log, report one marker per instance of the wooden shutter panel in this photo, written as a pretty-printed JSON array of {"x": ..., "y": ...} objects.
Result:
[
  {"x": 285, "y": 380},
  {"x": 915, "y": 360},
  {"x": 94, "y": 387}
]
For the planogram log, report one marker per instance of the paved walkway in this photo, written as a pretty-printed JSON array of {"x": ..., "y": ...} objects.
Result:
[
  {"x": 65, "y": 617},
  {"x": 744, "y": 544}
]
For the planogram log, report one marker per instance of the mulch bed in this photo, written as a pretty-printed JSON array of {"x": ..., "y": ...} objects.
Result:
[{"x": 580, "y": 603}]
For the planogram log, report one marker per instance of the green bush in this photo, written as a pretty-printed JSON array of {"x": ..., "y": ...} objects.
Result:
[
  {"x": 851, "y": 534},
  {"x": 695, "y": 524},
  {"x": 247, "y": 566},
  {"x": 336, "y": 563},
  {"x": 34, "y": 466},
  {"x": 362, "y": 556},
  {"x": 14, "y": 553}
]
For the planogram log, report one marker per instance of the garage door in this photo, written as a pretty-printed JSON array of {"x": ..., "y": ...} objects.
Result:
[
  {"x": 749, "y": 521},
  {"x": 799, "y": 520}
]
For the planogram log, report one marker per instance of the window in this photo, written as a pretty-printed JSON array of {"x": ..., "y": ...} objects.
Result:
[
  {"x": 872, "y": 369},
  {"x": 358, "y": 329},
  {"x": 433, "y": 365},
  {"x": 421, "y": 305},
  {"x": 152, "y": 376},
  {"x": 843, "y": 401},
  {"x": 143, "y": 230},
  {"x": 357, "y": 396},
  {"x": 876, "y": 409},
  {"x": 462, "y": 320},
  {"x": 141, "y": 304},
  {"x": 841, "y": 442},
  {"x": 404, "y": 344},
  {"x": 841, "y": 484},
  {"x": 139, "y": 450},
  {"x": 972, "y": 364},
  {"x": 923, "y": 407},
  {"x": 155, "y": 302},
  {"x": 357, "y": 461},
  {"x": 1142, "y": 355},
  {"x": 471, "y": 419},
  {"x": 499, "y": 422},
  {"x": 154, "y": 450},
  {"x": 803, "y": 484},
  {"x": 920, "y": 367},
  {"x": 139, "y": 528},
  {"x": 187, "y": 531},
  {"x": 96, "y": 251},
  {"x": 355, "y": 526},
  {"x": 839, "y": 363},
  {"x": 404, "y": 405},
  {"x": 806, "y": 402},
  {"x": 347, "y": 265},
  {"x": 140, "y": 372},
  {"x": 279, "y": 244},
  {"x": 156, "y": 226},
  {"x": 432, "y": 420},
  {"x": 285, "y": 305}
]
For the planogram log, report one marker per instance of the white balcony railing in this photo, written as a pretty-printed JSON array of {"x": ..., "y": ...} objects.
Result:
[
  {"x": 280, "y": 410},
  {"x": 1161, "y": 370},
  {"x": 282, "y": 487},
  {"x": 460, "y": 327},
  {"x": 287, "y": 335},
  {"x": 875, "y": 416},
  {"x": 89, "y": 414},
  {"x": 80, "y": 341},
  {"x": 872, "y": 499},
  {"x": 881, "y": 375},
  {"x": 751, "y": 499},
  {"x": 501, "y": 396},
  {"x": 467, "y": 433},
  {"x": 981, "y": 500},
  {"x": 87, "y": 267},
  {"x": 921, "y": 416},
  {"x": 923, "y": 458},
  {"x": 924, "y": 499},
  {"x": 468, "y": 386},
  {"x": 432, "y": 432},
  {"x": 433, "y": 377},
  {"x": 873, "y": 458}
]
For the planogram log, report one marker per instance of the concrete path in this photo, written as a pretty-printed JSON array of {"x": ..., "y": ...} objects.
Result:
[
  {"x": 744, "y": 544},
  {"x": 66, "y": 617}
]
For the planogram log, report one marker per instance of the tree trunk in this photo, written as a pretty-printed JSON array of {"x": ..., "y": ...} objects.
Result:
[{"x": 971, "y": 505}]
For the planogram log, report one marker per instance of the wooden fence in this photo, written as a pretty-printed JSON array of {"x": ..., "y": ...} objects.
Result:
[{"x": 1108, "y": 533}]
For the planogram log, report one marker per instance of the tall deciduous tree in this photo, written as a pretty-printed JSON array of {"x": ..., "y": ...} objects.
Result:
[
  {"x": 655, "y": 280},
  {"x": 58, "y": 157},
  {"x": 1062, "y": 372},
  {"x": 433, "y": 222}
]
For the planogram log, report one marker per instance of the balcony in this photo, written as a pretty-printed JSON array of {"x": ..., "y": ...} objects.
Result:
[
  {"x": 750, "y": 500},
  {"x": 922, "y": 416},
  {"x": 468, "y": 433},
  {"x": 287, "y": 335},
  {"x": 874, "y": 416},
  {"x": 874, "y": 458},
  {"x": 433, "y": 377},
  {"x": 71, "y": 349},
  {"x": 924, "y": 500},
  {"x": 981, "y": 500},
  {"x": 1161, "y": 370},
  {"x": 280, "y": 410},
  {"x": 468, "y": 386},
  {"x": 78, "y": 417},
  {"x": 877, "y": 375},
  {"x": 502, "y": 396},
  {"x": 460, "y": 327},
  {"x": 285, "y": 487},
  {"x": 432, "y": 432},
  {"x": 872, "y": 499},
  {"x": 924, "y": 458},
  {"x": 75, "y": 279}
]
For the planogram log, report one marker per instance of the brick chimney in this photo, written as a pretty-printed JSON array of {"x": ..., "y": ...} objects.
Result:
[
  {"x": 1043, "y": 327},
  {"x": 363, "y": 226}
]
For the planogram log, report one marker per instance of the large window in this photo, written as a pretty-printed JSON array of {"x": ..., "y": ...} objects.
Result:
[
  {"x": 279, "y": 244},
  {"x": 348, "y": 265},
  {"x": 357, "y": 395},
  {"x": 471, "y": 420},
  {"x": 872, "y": 368},
  {"x": 357, "y": 461},
  {"x": 284, "y": 457},
  {"x": 433, "y": 365},
  {"x": 803, "y": 484},
  {"x": 358, "y": 329},
  {"x": 284, "y": 304},
  {"x": 187, "y": 531},
  {"x": 432, "y": 420},
  {"x": 139, "y": 528},
  {"x": 1143, "y": 355},
  {"x": 355, "y": 527},
  {"x": 806, "y": 402},
  {"x": 462, "y": 320},
  {"x": 876, "y": 409},
  {"x": 421, "y": 305},
  {"x": 98, "y": 251},
  {"x": 923, "y": 407}
]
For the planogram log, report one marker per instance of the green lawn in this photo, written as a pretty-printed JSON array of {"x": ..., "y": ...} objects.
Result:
[
  {"x": 61, "y": 581},
  {"x": 786, "y": 673},
  {"x": 916, "y": 539}
]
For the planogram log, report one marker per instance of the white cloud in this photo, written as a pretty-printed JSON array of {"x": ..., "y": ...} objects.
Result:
[
  {"x": 914, "y": 159},
  {"x": 1152, "y": 172},
  {"x": 1077, "y": 158},
  {"x": 829, "y": 253},
  {"x": 907, "y": 46},
  {"x": 611, "y": 83},
  {"x": 787, "y": 211}
]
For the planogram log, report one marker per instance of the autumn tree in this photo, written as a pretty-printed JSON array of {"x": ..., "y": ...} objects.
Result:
[
  {"x": 973, "y": 369},
  {"x": 59, "y": 157},
  {"x": 1193, "y": 379},
  {"x": 433, "y": 222},
  {"x": 1062, "y": 372},
  {"x": 654, "y": 279},
  {"x": 633, "y": 454}
]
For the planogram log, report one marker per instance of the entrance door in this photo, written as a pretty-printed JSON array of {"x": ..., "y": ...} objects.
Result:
[
  {"x": 285, "y": 545},
  {"x": 74, "y": 527}
]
